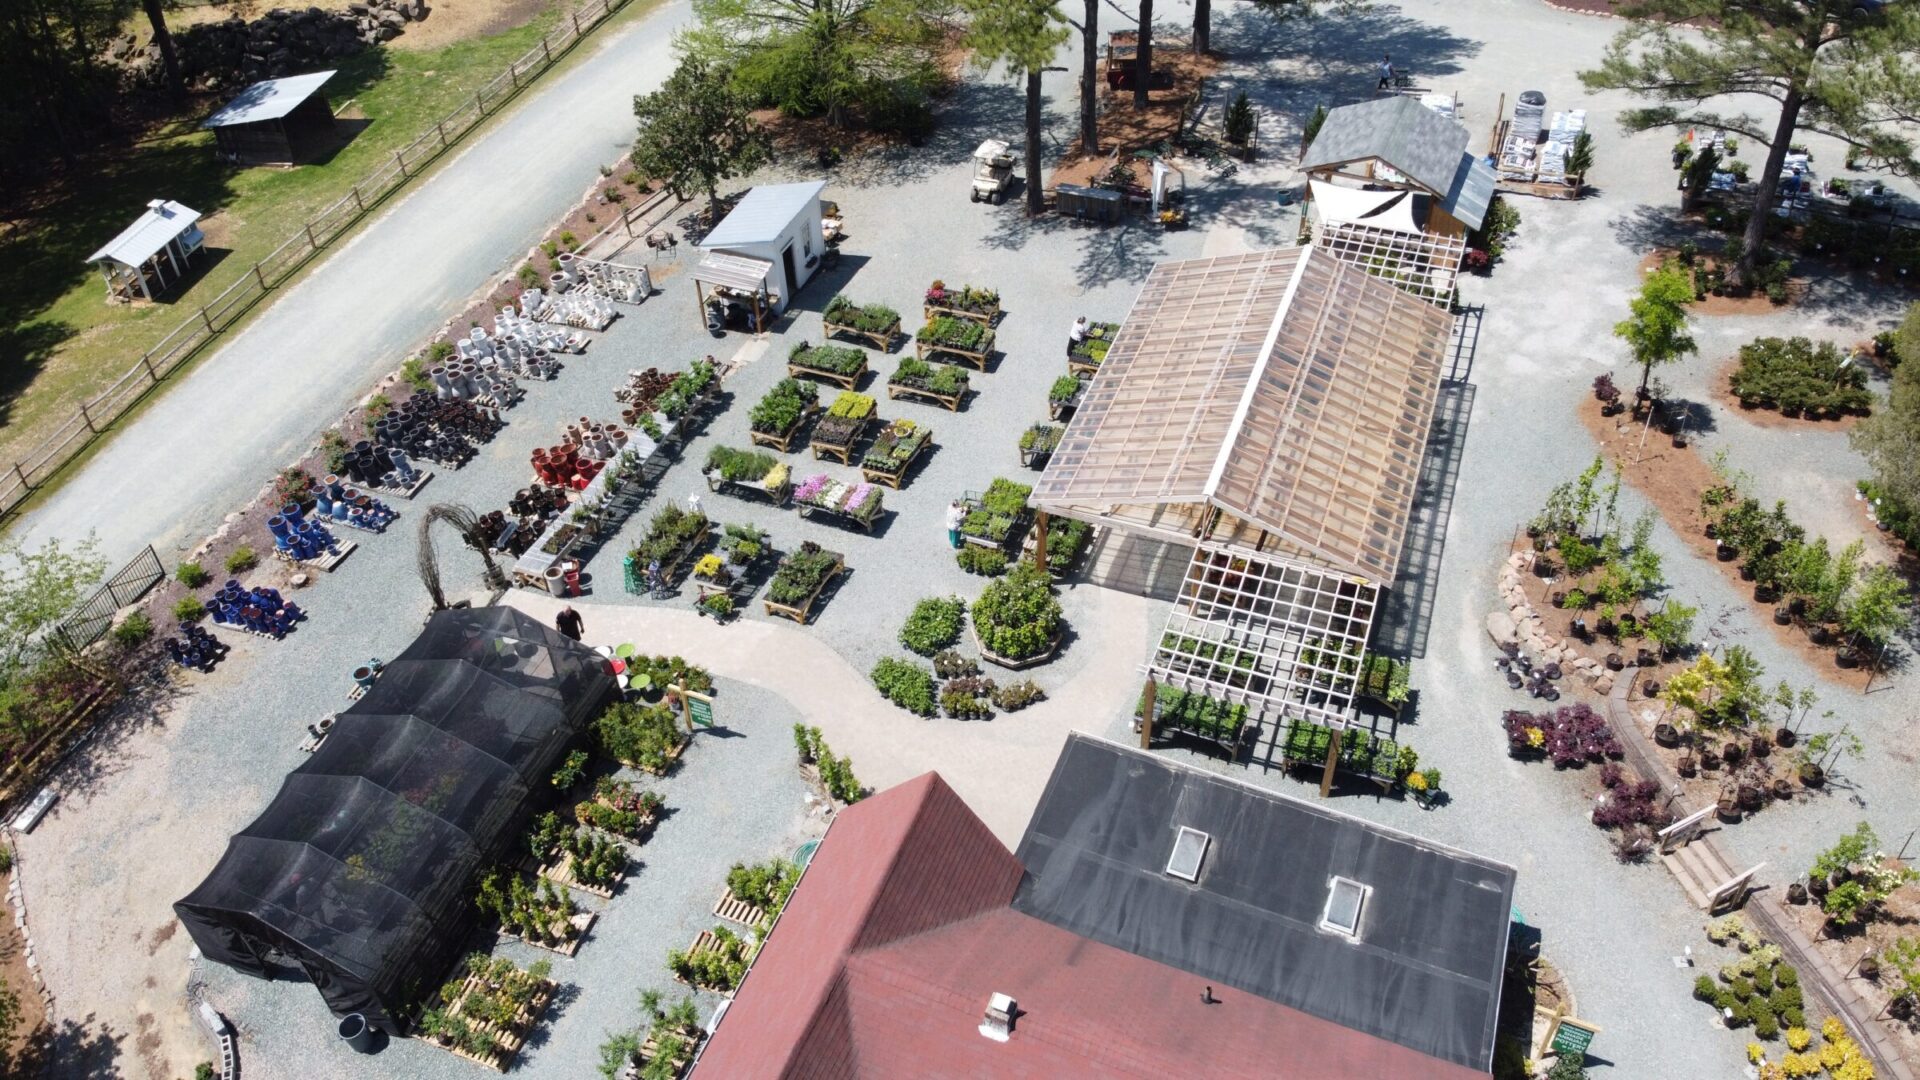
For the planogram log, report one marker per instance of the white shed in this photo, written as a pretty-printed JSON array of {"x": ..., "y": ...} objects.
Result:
[
  {"x": 151, "y": 253},
  {"x": 766, "y": 249}
]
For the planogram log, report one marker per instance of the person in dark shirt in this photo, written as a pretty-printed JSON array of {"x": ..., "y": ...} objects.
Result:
[{"x": 569, "y": 623}]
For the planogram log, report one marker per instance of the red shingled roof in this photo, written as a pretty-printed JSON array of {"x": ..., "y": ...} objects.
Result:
[{"x": 883, "y": 961}]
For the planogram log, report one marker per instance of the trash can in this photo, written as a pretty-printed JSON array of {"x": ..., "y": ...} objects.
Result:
[{"x": 355, "y": 1032}]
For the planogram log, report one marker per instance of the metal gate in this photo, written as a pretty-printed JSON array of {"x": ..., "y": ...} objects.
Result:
[{"x": 94, "y": 616}]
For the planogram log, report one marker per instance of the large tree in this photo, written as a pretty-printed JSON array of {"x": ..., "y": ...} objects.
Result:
[
  {"x": 1830, "y": 72},
  {"x": 1656, "y": 331},
  {"x": 56, "y": 97},
  {"x": 1890, "y": 438},
  {"x": 824, "y": 57},
  {"x": 1143, "y": 59},
  {"x": 1023, "y": 35},
  {"x": 695, "y": 132},
  {"x": 1090, "y": 79},
  {"x": 162, "y": 37}
]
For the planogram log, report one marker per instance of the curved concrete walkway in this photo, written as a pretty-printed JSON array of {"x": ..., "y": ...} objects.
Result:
[{"x": 999, "y": 766}]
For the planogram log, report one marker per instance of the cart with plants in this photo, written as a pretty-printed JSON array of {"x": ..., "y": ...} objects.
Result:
[
  {"x": 877, "y": 323},
  {"x": 834, "y": 364},
  {"x": 776, "y": 418},
  {"x": 894, "y": 451},
  {"x": 961, "y": 302},
  {"x": 942, "y": 384},
  {"x": 674, "y": 536},
  {"x": 1362, "y": 753},
  {"x": 970, "y": 341},
  {"x": 487, "y": 1011},
  {"x": 836, "y": 433},
  {"x": 801, "y": 578},
  {"x": 995, "y": 516},
  {"x": 856, "y": 504},
  {"x": 1085, "y": 356},
  {"x": 1064, "y": 396},
  {"x": 1037, "y": 444},
  {"x": 1194, "y": 713},
  {"x": 1383, "y": 679},
  {"x": 747, "y": 472}
]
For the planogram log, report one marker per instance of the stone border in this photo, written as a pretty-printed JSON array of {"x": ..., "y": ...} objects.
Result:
[{"x": 1520, "y": 624}]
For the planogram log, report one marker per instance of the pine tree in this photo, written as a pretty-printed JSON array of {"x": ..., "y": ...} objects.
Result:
[{"x": 1023, "y": 35}]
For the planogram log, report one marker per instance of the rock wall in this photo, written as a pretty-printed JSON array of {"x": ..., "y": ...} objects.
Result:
[
  {"x": 234, "y": 53},
  {"x": 1516, "y": 622}
]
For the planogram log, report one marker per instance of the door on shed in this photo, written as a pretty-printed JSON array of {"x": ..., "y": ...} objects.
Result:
[{"x": 793, "y": 277}]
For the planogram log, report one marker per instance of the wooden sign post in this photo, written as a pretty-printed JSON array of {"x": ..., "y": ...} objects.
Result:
[
  {"x": 1567, "y": 1035},
  {"x": 694, "y": 708}
]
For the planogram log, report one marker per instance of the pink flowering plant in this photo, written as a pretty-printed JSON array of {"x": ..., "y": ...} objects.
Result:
[{"x": 811, "y": 488}]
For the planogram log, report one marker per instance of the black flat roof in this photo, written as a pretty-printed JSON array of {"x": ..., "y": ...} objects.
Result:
[{"x": 1425, "y": 971}]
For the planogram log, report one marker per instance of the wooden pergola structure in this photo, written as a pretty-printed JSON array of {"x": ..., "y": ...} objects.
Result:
[
  {"x": 1270, "y": 410},
  {"x": 150, "y": 255}
]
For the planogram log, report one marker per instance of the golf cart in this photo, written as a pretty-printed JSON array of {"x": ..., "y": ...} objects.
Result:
[{"x": 993, "y": 166}]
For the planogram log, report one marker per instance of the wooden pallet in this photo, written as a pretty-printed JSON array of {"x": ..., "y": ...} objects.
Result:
[
  {"x": 650, "y": 1049},
  {"x": 784, "y": 442},
  {"x": 801, "y": 612},
  {"x": 733, "y": 909},
  {"x": 951, "y": 401},
  {"x": 419, "y": 481},
  {"x": 562, "y": 874},
  {"x": 1082, "y": 368},
  {"x": 324, "y": 562},
  {"x": 845, "y": 382},
  {"x": 582, "y": 921},
  {"x": 241, "y": 629},
  {"x": 673, "y": 755},
  {"x": 707, "y": 942},
  {"x": 509, "y": 1041},
  {"x": 924, "y": 349}
]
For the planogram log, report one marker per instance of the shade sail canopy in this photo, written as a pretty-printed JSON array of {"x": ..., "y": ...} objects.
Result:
[
  {"x": 1285, "y": 388},
  {"x": 358, "y": 871},
  {"x": 1397, "y": 130},
  {"x": 733, "y": 271},
  {"x": 764, "y": 215},
  {"x": 153, "y": 230},
  {"x": 269, "y": 100},
  {"x": 1389, "y": 210}
]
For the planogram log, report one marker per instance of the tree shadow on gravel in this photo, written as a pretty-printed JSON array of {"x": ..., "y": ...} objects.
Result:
[
  {"x": 973, "y": 111},
  {"x": 1339, "y": 52},
  {"x": 85, "y": 1049},
  {"x": 96, "y": 758}
]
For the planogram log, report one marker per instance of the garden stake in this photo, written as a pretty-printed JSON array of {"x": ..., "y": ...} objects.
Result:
[{"x": 1903, "y": 847}]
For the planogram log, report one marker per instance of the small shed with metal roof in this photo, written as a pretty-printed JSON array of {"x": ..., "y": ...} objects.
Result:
[
  {"x": 152, "y": 253},
  {"x": 1396, "y": 142},
  {"x": 271, "y": 122},
  {"x": 765, "y": 250}
]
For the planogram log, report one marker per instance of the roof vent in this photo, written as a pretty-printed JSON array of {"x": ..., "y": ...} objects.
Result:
[
  {"x": 1346, "y": 899},
  {"x": 1188, "y": 849},
  {"x": 999, "y": 1022}
]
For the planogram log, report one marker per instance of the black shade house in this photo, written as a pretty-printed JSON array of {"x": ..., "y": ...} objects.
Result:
[
  {"x": 270, "y": 122},
  {"x": 358, "y": 871}
]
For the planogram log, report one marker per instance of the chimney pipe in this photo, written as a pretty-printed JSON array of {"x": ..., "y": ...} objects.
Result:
[{"x": 998, "y": 1024}]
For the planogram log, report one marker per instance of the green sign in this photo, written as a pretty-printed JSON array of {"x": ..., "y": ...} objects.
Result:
[
  {"x": 1571, "y": 1037},
  {"x": 700, "y": 710}
]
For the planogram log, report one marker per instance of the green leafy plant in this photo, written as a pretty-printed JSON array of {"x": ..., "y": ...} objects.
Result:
[
  {"x": 571, "y": 770},
  {"x": 1017, "y": 616},
  {"x": 987, "y": 562},
  {"x": 241, "y": 559},
  {"x": 906, "y": 684},
  {"x": 191, "y": 574},
  {"x": 1041, "y": 438},
  {"x": 189, "y": 609},
  {"x": 1065, "y": 389},
  {"x": 1016, "y": 696},
  {"x": 801, "y": 574},
  {"x": 1796, "y": 376},
  {"x": 133, "y": 631},
  {"x": 935, "y": 623},
  {"x": 783, "y": 406},
  {"x": 1239, "y": 120},
  {"x": 1195, "y": 712},
  {"x": 947, "y": 332},
  {"x": 943, "y": 379},
  {"x": 867, "y": 318},
  {"x": 740, "y": 466},
  {"x": 645, "y": 735}
]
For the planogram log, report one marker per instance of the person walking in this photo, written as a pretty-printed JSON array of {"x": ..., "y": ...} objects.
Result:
[
  {"x": 1386, "y": 72},
  {"x": 956, "y": 516},
  {"x": 569, "y": 622},
  {"x": 1078, "y": 334}
]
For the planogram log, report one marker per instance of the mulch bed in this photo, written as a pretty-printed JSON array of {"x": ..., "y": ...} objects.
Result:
[{"x": 1126, "y": 129}]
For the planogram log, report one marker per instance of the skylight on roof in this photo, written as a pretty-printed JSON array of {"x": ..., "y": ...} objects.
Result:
[
  {"x": 1188, "y": 849},
  {"x": 1345, "y": 900}
]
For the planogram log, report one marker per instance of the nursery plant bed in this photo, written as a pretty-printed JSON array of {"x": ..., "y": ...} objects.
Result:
[
  {"x": 923, "y": 388},
  {"x": 776, "y": 495},
  {"x": 976, "y": 502},
  {"x": 882, "y": 340},
  {"x": 1059, "y": 408},
  {"x": 985, "y": 318},
  {"x": 581, "y": 921},
  {"x": 561, "y": 873},
  {"x": 1082, "y": 358},
  {"x": 707, "y": 942},
  {"x": 802, "y": 611},
  {"x": 832, "y": 503},
  {"x": 1038, "y": 444},
  {"x": 838, "y": 443},
  {"x": 843, "y": 316},
  {"x": 690, "y": 1038},
  {"x": 508, "y": 1041},
  {"x": 940, "y": 300},
  {"x": 884, "y": 464},
  {"x": 673, "y": 756},
  {"x": 809, "y": 362},
  {"x": 783, "y": 440},
  {"x": 1009, "y": 663},
  {"x": 733, "y": 909},
  {"x": 977, "y": 357}
]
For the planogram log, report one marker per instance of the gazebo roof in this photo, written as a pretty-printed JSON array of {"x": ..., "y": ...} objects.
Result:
[
  {"x": 1398, "y": 130},
  {"x": 155, "y": 229},
  {"x": 1286, "y": 388}
]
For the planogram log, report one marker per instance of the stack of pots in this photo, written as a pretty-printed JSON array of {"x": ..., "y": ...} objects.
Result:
[
  {"x": 300, "y": 538},
  {"x": 347, "y": 505},
  {"x": 564, "y": 466},
  {"x": 259, "y": 609}
]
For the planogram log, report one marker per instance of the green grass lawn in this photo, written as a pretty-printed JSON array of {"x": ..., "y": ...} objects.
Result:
[{"x": 61, "y": 342}]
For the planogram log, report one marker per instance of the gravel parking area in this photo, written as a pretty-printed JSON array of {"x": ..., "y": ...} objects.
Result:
[{"x": 146, "y": 811}]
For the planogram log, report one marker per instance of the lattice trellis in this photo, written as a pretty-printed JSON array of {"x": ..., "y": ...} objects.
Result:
[
  {"x": 1280, "y": 637},
  {"x": 1423, "y": 264}
]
